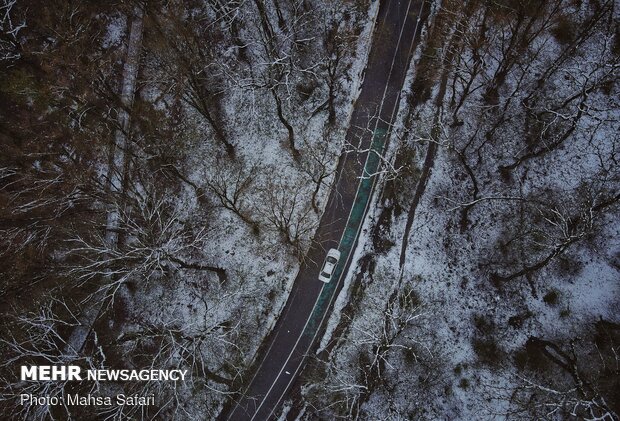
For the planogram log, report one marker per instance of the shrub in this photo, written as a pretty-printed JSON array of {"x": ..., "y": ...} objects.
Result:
[
  {"x": 464, "y": 383},
  {"x": 306, "y": 89},
  {"x": 564, "y": 30},
  {"x": 487, "y": 350},
  {"x": 552, "y": 297},
  {"x": 483, "y": 324},
  {"x": 517, "y": 321},
  {"x": 520, "y": 359}
]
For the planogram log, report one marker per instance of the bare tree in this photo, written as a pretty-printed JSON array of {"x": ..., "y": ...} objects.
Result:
[
  {"x": 189, "y": 64},
  {"x": 156, "y": 241},
  {"x": 383, "y": 342},
  {"x": 401, "y": 312},
  {"x": 569, "y": 377},
  {"x": 318, "y": 163},
  {"x": 231, "y": 182},
  {"x": 10, "y": 25},
  {"x": 288, "y": 212},
  {"x": 282, "y": 59},
  {"x": 556, "y": 228},
  {"x": 39, "y": 338}
]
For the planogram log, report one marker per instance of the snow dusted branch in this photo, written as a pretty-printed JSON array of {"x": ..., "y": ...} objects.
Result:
[
  {"x": 34, "y": 339},
  {"x": 9, "y": 29},
  {"x": 155, "y": 241},
  {"x": 460, "y": 205}
]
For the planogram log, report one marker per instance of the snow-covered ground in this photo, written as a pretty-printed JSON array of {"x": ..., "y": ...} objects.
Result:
[
  {"x": 233, "y": 317},
  {"x": 509, "y": 289},
  {"x": 461, "y": 355}
]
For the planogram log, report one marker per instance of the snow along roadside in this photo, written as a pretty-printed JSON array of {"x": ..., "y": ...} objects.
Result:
[
  {"x": 359, "y": 66},
  {"x": 398, "y": 126}
]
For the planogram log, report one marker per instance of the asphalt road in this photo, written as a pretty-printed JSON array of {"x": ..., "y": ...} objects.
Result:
[{"x": 310, "y": 301}]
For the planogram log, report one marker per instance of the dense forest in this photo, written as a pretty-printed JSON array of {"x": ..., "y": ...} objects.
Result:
[
  {"x": 165, "y": 164},
  {"x": 163, "y": 168},
  {"x": 488, "y": 285}
]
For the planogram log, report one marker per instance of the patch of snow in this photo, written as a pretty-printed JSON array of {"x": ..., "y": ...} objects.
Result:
[{"x": 115, "y": 31}]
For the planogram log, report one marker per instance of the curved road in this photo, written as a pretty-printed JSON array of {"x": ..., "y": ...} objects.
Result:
[{"x": 283, "y": 354}]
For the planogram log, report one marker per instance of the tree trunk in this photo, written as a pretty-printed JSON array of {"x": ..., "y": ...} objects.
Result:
[{"x": 284, "y": 121}]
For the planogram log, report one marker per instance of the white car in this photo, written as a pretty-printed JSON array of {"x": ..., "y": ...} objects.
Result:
[{"x": 331, "y": 261}]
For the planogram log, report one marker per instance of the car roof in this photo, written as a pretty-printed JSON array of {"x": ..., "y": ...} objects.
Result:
[{"x": 333, "y": 252}]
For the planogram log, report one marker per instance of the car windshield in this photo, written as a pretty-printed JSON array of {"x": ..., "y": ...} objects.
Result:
[
  {"x": 331, "y": 260},
  {"x": 325, "y": 275}
]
